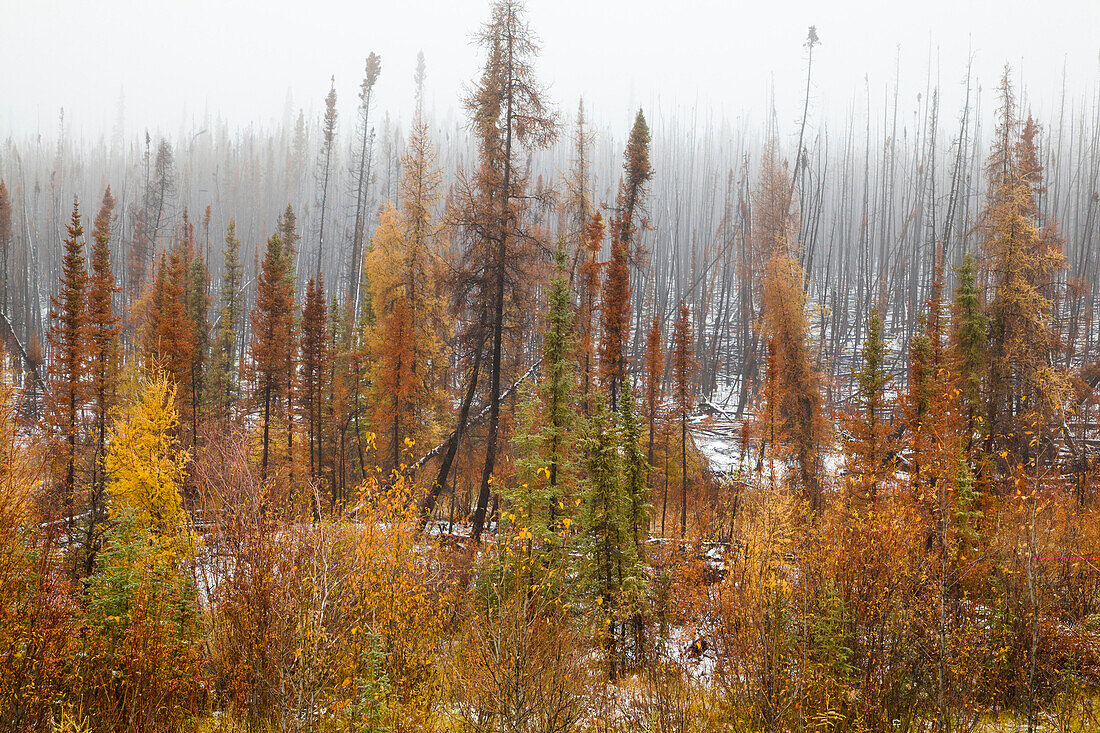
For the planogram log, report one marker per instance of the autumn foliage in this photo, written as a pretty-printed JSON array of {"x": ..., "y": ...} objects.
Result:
[{"x": 441, "y": 492}]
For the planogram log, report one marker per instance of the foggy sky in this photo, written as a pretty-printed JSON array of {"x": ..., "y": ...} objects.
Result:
[{"x": 175, "y": 62}]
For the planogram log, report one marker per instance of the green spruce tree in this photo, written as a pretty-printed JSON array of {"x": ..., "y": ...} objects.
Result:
[
  {"x": 222, "y": 382},
  {"x": 969, "y": 326},
  {"x": 549, "y": 420}
]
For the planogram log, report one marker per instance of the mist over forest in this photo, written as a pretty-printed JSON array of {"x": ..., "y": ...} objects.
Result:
[{"x": 649, "y": 408}]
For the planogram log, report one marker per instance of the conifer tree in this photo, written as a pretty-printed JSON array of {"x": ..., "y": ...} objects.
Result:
[
  {"x": 339, "y": 408},
  {"x": 67, "y": 368},
  {"x": 918, "y": 402},
  {"x": 969, "y": 326},
  {"x": 288, "y": 236},
  {"x": 635, "y": 471},
  {"x": 151, "y": 217},
  {"x": 869, "y": 421},
  {"x": 286, "y": 226},
  {"x": 197, "y": 307},
  {"x": 509, "y": 113},
  {"x": 103, "y": 366},
  {"x": 168, "y": 337},
  {"x": 145, "y": 461},
  {"x": 616, "y": 305},
  {"x": 578, "y": 207},
  {"x": 314, "y": 382},
  {"x": 683, "y": 376},
  {"x": 933, "y": 415},
  {"x": 794, "y": 409},
  {"x": 222, "y": 381},
  {"x": 795, "y": 402},
  {"x": 639, "y": 508},
  {"x": 614, "y": 573},
  {"x": 404, "y": 268},
  {"x": 547, "y": 437},
  {"x": 1022, "y": 257},
  {"x": 558, "y": 386},
  {"x": 588, "y": 295},
  {"x": 395, "y": 383},
  {"x": 615, "y": 315},
  {"x": 270, "y": 349},
  {"x": 637, "y": 172},
  {"x": 769, "y": 233},
  {"x": 348, "y": 409}
]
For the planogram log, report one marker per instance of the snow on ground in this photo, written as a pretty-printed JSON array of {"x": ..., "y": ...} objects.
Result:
[
  {"x": 717, "y": 432},
  {"x": 723, "y": 456}
]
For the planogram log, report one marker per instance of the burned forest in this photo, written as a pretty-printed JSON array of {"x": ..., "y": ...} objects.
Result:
[{"x": 523, "y": 412}]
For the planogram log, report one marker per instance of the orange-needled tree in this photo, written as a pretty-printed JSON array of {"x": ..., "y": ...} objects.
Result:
[
  {"x": 67, "y": 369},
  {"x": 103, "y": 367},
  {"x": 683, "y": 383},
  {"x": 269, "y": 352},
  {"x": 795, "y": 403},
  {"x": 314, "y": 383},
  {"x": 405, "y": 270},
  {"x": 625, "y": 250}
]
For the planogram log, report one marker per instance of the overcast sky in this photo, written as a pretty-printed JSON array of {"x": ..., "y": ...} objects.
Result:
[{"x": 173, "y": 61}]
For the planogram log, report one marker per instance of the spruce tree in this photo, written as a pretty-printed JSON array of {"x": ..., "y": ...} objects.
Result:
[
  {"x": 222, "y": 381},
  {"x": 637, "y": 172},
  {"x": 588, "y": 298},
  {"x": 198, "y": 307},
  {"x": 969, "y": 326},
  {"x": 918, "y": 403},
  {"x": 868, "y": 424},
  {"x": 635, "y": 470},
  {"x": 549, "y": 423},
  {"x": 1022, "y": 256},
  {"x": 613, "y": 574}
]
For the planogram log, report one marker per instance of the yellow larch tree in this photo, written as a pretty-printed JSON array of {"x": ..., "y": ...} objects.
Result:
[
  {"x": 146, "y": 464},
  {"x": 794, "y": 389},
  {"x": 404, "y": 272}
]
